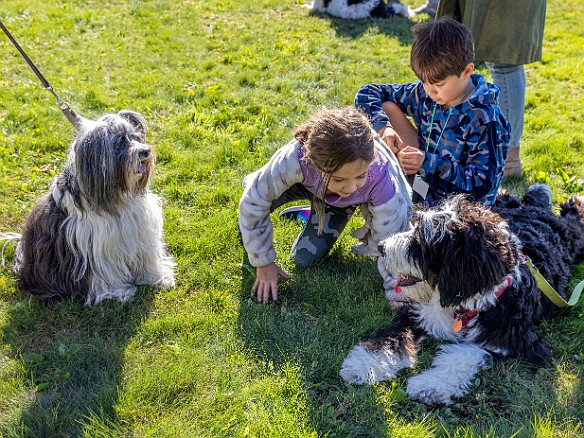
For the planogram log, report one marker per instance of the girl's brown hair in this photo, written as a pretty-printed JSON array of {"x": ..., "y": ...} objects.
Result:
[{"x": 333, "y": 138}]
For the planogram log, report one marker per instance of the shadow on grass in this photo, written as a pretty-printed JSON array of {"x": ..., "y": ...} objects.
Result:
[
  {"x": 322, "y": 312},
  {"x": 325, "y": 310},
  {"x": 396, "y": 27},
  {"x": 72, "y": 359}
]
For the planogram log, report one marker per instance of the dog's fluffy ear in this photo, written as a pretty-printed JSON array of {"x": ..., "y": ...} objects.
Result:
[{"x": 137, "y": 121}]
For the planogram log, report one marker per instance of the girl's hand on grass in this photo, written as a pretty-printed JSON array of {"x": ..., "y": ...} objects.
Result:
[
  {"x": 266, "y": 282},
  {"x": 411, "y": 159}
]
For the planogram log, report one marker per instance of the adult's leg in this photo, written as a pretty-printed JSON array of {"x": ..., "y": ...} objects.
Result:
[{"x": 511, "y": 80}]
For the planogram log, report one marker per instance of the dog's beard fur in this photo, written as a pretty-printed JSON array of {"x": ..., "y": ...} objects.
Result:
[
  {"x": 98, "y": 233},
  {"x": 461, "y": 255}
]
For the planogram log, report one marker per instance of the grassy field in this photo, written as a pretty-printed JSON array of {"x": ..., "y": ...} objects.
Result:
[{"x": 222, "y": 84}]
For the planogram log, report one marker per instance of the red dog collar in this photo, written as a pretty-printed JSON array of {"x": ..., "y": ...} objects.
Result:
[{"x": 462, "y": 316}]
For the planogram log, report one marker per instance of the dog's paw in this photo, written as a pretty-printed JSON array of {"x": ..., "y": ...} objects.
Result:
[
  {"x": 451, "y": 374},
  {"x": 430, "y": 396},
  {"x": 126, "y": 294},
  {"x": 430, "y": 391},
  {"x": 162, "y": 281},
  {"x": 359, "y": 367},
  {"x": 160, "y": 275},
  {"x": 167, "y": 277},
  {"x": 365, "y": 367},
  {"x": 122, "y": 293},
  {"x": 167, "y": 282}
]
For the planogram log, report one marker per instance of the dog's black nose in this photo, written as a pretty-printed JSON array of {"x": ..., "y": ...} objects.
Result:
[
  {"x": 144, "y": 153},
  {"x": 380, "y": 248}
]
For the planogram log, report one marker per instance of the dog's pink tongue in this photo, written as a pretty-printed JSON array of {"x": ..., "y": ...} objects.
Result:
[
  {"x": 397, "y": 288},
  {"x": 142, "y": 168}
]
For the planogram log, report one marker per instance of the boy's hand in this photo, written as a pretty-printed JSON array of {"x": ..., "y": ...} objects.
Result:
[
  {"x": 410, "y": 159},
  {"x": 391, "y": 139},
  {"x": 266, "y": 282}
]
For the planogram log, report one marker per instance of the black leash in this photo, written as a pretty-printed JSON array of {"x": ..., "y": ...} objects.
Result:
[{"x": 75, "y": 120}]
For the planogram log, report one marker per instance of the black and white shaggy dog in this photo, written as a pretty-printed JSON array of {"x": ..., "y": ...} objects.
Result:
[
  {"x": 462, "y": 266},
  {"x": 97, "y": 234},
  {"x": 356, "y": 9}
]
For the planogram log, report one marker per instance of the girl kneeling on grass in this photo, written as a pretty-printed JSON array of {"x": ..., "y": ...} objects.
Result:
[{"x": 338, "y": 163}]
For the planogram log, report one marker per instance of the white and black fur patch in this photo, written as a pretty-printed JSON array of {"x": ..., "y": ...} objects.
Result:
[
  {"x": 356, "y": 9},
  {"x": 97, "y": 234},
  {"x": 460, "y": 256}
]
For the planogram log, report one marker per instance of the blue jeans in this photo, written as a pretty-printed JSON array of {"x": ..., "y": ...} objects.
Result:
[{"x": 511, "y": 80}]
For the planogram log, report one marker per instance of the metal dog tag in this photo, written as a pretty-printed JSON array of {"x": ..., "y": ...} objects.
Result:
[{"x": 457, "y": 324}]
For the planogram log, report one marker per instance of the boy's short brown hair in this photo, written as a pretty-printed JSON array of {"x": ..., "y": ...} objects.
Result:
[{"x": 441, "y": 48}]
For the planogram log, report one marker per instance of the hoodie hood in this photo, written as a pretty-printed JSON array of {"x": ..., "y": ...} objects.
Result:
[{"x": 484, "y": 92}]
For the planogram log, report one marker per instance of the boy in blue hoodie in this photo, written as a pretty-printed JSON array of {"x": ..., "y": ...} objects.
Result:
[{"x": 460, "y": 139}]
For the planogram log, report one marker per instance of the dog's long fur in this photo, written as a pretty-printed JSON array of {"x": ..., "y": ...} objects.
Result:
[
  {"x": 461, "y": 256},
  {"x": 356, "y": 9},
  {"x": 97, "y": 234}
]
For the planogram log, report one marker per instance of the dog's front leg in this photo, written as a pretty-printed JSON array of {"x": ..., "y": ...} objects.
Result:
[
  {"x": 450, "y": 375},
  {"x": 153, "y": 264},
  {"x": 158, "y": 270},
  {"x": 110, "y": 289},
  {"x": 387, "y": 352}
]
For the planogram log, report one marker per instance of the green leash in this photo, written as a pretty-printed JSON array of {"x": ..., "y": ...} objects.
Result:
[{"x": 550, "y": 292}]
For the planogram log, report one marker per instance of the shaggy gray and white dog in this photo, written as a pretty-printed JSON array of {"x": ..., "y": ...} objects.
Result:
[
  {"x": 356, "y": 9},
  {"x": 97, "y": 234},
  {"x": 462, "y": 266}
]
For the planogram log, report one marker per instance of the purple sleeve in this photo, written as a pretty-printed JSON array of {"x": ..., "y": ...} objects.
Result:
[{"x": 383, "y": 188}]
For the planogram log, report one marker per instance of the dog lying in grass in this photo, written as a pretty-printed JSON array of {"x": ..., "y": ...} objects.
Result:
[
  {"x": 356, "y": 9},
  {"x": 97, "y": 234},
  {"x": 463, "y": 267}
]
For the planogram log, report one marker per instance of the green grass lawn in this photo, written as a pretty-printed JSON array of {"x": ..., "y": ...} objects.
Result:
[{"x": 222, "y": 84}]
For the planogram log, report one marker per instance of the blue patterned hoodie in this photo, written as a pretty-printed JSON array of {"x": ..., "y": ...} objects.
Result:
[{"x": 473, "y": 141}]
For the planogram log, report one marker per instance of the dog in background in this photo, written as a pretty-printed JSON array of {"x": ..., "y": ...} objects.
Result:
[
  {"x": 97, "y": 234},
  {"x": 463, "y": 267},
  {"x": 356, "y": 9}
]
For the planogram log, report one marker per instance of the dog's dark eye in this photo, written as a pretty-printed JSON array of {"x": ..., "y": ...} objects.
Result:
[{"x": 121, "y": 142}]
